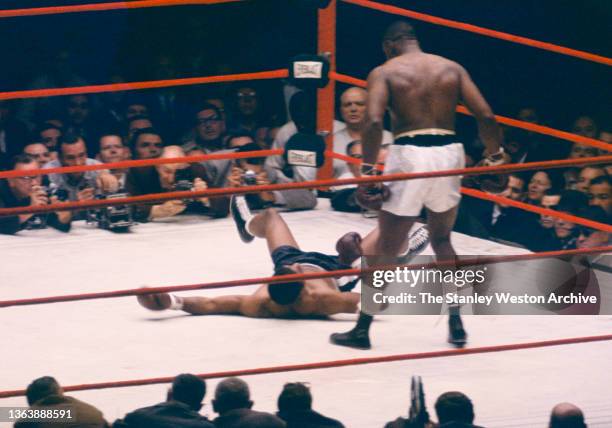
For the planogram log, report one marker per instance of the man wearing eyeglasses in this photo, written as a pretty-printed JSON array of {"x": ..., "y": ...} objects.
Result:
[
  {"x": 28, "y": 191},
  {"x": 247, "y": 113},
  {"x": 209, "y": 131},
  {"x": 207, "y": 136}
]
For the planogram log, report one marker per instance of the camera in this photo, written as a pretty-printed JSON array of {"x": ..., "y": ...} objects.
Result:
[
  {"x": 183, "y": 180},
  {"x": 54, "y": 190},
  {"x": 39, "y": 221},
  {"x": 116, "y": 218},
  {"x": 249, "y": 177}
]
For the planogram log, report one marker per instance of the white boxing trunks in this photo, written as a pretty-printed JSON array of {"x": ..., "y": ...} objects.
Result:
[{"x": 423, "y": 151}]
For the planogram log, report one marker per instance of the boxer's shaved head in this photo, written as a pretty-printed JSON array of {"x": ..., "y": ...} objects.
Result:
[{"x": 399, "y": 29}]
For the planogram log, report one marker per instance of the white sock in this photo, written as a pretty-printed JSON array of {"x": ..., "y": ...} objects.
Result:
[{"x": 176, "y": 303}]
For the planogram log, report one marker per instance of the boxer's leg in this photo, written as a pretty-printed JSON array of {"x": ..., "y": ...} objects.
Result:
[{"x": 440, "y": 226}]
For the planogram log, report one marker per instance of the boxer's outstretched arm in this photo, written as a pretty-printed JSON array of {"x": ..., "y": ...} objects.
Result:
[
  {"x": 213, "y": 305},
  {"x": 248, "y": 306}
]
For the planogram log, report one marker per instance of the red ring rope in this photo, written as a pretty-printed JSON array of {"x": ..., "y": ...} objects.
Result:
[
  {"x": 138, "y": 163},
  {"x": 496, "y": 198},
  {"x": 323, "y": 364},
  {"x": 296, "y": 277},
  {"x": 545, "y": 130},
  {"x": 8, "y": 13},
  {"x": 261, "y": 153},
  {"x": 333, "y": 363},
  {"x": 482, "y": 31},
  {"x": 115, "y": 87},
  {"x": 99, "y": 7},
  {"x": 160, "y": 197}
]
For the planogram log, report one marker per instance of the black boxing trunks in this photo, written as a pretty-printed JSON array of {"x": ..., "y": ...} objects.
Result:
[{"x": 286, "y": 255}]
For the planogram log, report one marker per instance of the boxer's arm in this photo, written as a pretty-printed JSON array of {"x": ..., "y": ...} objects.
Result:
[
  {"x": 221, "y": 305},
  {"x": 378, "y": 97},
  {"x": 488, "y": 129},
  {"x": 250, "y": 306},
  {"x": 339, "y": 303}
]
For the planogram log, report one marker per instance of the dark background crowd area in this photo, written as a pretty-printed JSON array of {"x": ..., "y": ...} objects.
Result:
[
  {"x": 263, "y": 35},
  {"x": 191, "y": 41}
]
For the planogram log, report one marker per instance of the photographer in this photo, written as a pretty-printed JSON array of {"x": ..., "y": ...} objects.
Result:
[
  {"x": 173, "y": 177},
  {"x": 79, "y": 186},
  {"x": 28, "y": 191},
  {"x": 249, "y": 172}
]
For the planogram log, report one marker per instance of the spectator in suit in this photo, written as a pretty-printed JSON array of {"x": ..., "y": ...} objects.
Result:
[
  {"x": 146, "y": 143},
  {"x": 486, "y": 219},
  {"x": 600, "y": 193},
  {"x": 589, "y": 237},
  {"x": 165, "y": 178},
  {"x": 295, "y": 408},
  {"x": 587, "y": 174},
  {"x": 209, "y": 132},
  {"x": 39, "y": 152},
  {"x": 112, "y": 149},
  {"x": 79, "y": 186},
  {"x": 540, "y": 182},
  {"x": 50, "y": 135},
  {"x": 247, "y": 110},
  {"x": 233, "y": 404},
  {"x": 136, "y": 123},
  {"x": 454, "y": 410},
  {"x": 28, "y": 191},
  {"x": 46, "y": 393},
  {"x": 180, "y": 410}
]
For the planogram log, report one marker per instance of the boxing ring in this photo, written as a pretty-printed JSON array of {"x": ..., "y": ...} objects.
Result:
[
  {"x": 116, "y": 339},
  {"x": 114, "y": 354}
]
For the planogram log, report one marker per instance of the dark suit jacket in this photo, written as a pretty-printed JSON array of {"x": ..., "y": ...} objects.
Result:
[
  {"x": 145, "y": 180},
  {"x": 168, "y": 414},
  {"x": 309, "y": 419},
  {"x": 247, "y": 418},
  {"x": 83, "y": 415},
  {"x": 10, "y": 225}
]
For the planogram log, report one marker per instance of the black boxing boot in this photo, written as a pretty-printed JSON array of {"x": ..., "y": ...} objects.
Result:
[
  {"x": 241, "y": 213},
  {"x": 457, "y": 335},
  {"x": 358, "y": 337}
]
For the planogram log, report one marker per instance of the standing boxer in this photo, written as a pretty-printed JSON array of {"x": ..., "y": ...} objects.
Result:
[{"x": 422, "y": 92}]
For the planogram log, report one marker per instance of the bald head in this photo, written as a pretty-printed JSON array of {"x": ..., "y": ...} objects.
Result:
[
  {"x": 354, "y": 91},
  {"x": 172, "y": 152},
  {"x": 353, "y": 107},
  {"x": 398, "y": 30},
  {"x": 167, "y": 172},
  {"x": 566, "y": 415}
]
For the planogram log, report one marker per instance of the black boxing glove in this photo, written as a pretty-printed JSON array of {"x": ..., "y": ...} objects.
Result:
[
  {"x": 371, "y": 195},
  {"x": 349, "y": 248}
]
